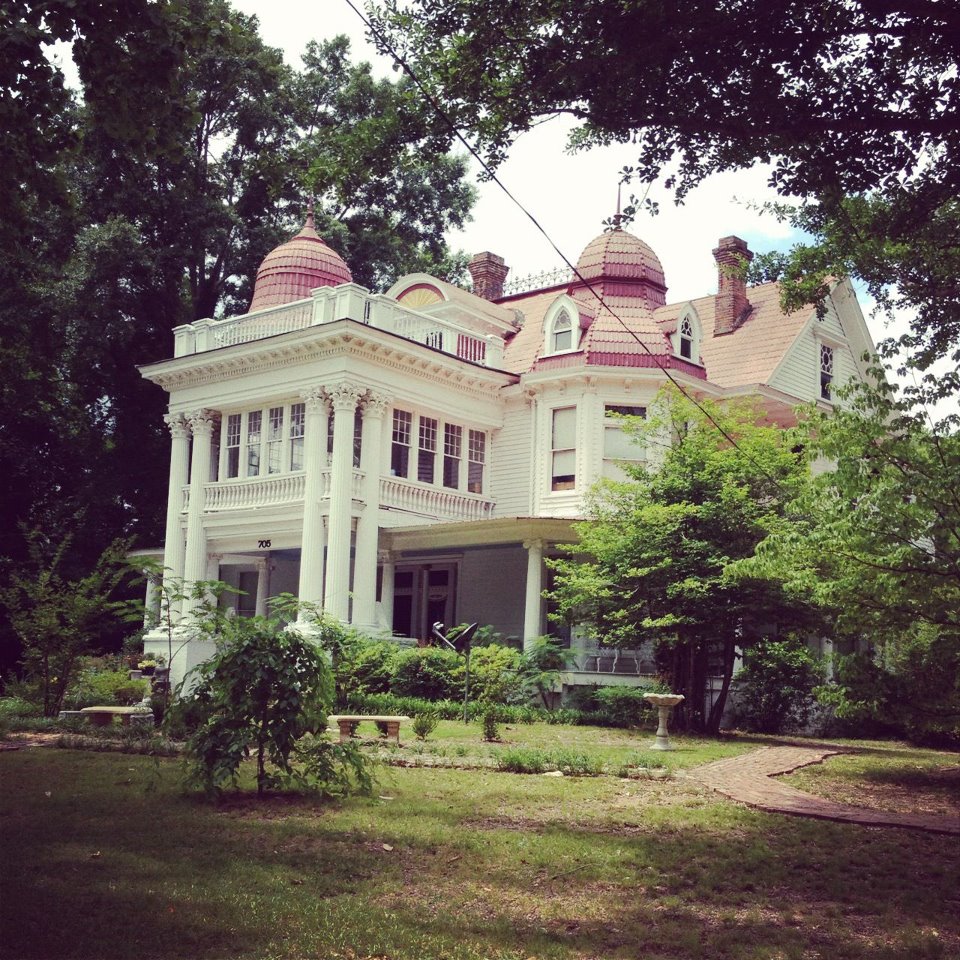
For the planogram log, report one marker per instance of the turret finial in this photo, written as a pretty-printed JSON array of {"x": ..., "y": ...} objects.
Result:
[{"x": 309, "y": 222}]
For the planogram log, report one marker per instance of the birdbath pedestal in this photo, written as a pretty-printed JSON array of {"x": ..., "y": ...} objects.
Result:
[{"x": 664, "y": 702}]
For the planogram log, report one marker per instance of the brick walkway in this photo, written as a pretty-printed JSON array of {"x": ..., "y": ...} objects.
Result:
[{"x": 748, "y": 778}]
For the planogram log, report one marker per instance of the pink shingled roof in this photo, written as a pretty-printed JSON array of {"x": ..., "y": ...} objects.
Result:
[
  {"x": 752, "y": 352},
  {"x": 289, "y": 272},
  {"x": 620, "y": 254}
]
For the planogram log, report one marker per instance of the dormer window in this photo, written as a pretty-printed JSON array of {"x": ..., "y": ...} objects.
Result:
[
  {"x": 561, "y": 336},
  {"x": 686, "y": 339}
]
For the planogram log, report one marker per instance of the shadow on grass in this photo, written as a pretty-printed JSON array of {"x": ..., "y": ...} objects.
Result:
[{"x": 99, "y": 869}]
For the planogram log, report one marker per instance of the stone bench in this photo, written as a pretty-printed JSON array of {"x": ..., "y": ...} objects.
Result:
[
  {"x": 103, "y": 716},
  {"x": 348, "y": 724}
]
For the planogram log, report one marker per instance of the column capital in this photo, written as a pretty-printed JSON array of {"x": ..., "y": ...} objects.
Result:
[
  {"x": 344, "y": 395},
  {"x": 177, "y": 424},
  {"x": 374, "y": 404},
  {"x": 385, "y": 556},
  {"x": 202, "y": 422},
  {"x": 533, "y": 544},
  {"x": 316, "y": 400}
]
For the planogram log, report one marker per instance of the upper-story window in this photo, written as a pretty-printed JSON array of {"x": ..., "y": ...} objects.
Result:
[
  {"x": 563, "y": 434},
  {"x": 561, "y": 336},
  {"x": 826, "y": 371},
  {"x": 263, "y": 442},
  {"x": 686, "y": 340},
  {"x": 427, "y": 451},
  {"x": 357, "y": 436},
  {"x": 476, "y": 455},
  {"x": 400, "y": 446},
  {"x": 452, "y": 453},
  {"x": 619, "y": 447}
]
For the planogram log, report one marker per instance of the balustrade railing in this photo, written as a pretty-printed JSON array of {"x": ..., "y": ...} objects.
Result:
[
  {"x": 265, "y": 491},
  {"x": 433, "y": 502},
  {"x": 330, "y": 304}
]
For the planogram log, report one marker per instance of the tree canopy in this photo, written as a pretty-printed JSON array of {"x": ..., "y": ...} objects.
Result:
[
  {"x": 855, "y": 103},
  {"x": 147, "y": 199},
  {"x": 654, "y": 561}
]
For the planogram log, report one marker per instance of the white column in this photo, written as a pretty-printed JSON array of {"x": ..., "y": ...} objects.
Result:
[
  {"x": 386, "y": 587},
  {"x": 263, "y": 586},
  {"x": 336, "y": 598},
  {"x": 310, "y": 589},
  {"x": 151, "y": 602},
  {"x": 174, "y": 545},
  {"x": 368, "y": 529},
  {"x": 532, "y": 607},
  {"x": 195, "y": 562}
]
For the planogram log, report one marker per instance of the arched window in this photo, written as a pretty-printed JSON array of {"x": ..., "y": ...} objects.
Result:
[
  {"x": 561, "y": 334},
  {"x": 686, "y": 339}
]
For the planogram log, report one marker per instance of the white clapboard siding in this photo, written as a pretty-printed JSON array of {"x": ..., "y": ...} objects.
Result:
[{"x": 510, "y": 462}]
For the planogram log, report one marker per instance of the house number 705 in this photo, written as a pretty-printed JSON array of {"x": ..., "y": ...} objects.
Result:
[{"x": 264, "y": 544}]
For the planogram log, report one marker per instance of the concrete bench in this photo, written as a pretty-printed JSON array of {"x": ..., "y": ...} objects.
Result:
[
  {"x": 103, "y": 716},
  {"x": 348, "y": 725}
]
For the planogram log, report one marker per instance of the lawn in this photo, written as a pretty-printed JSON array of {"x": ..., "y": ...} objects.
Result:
[
  {"x": 105, "y": 858},
  {"x": 887, "y": 775},
  {"x": 456, "y": 742}
]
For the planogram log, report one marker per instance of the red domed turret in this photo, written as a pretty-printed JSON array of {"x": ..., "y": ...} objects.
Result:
[
  {"x": 618, "y": 255},
  {"x": 289, "y": 272}
]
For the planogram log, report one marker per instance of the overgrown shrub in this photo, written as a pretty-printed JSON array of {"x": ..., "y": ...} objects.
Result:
[
  {"x": 494, "y": 676},
  {"x": 625, "y": 706},
  {"x": 775, "y": 688},
  {"x": 521, "y": 760},
  {"x": 424, "y": 724},
  {"x": 491, "y": 725},
  {"x": 573, "y": 764},
  {"x": 93, "y": 688},
  {"x": 371, "y": 665},
  {"x": 18, "y": 707},
  {"x": 429, "y": 673}
]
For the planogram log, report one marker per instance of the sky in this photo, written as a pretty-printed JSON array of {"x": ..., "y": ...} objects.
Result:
[{"x": 570, "y": 195}]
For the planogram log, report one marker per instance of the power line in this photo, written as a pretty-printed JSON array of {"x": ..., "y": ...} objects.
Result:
[{"x": 491, "y": 174}]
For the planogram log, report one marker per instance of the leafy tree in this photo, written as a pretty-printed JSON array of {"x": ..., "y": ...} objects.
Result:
[
  {"x": 147, "y": 200},
  {"x": 263, "y": 692},
  {"x": 58, "y": 620},
  {"x": 854, "y": 102},
  {"x": 655, "y": 560},
  {"x": 875, "y": 541},
  {"x": 775, "y": 688},
  {"x": 539, "y": 668}
]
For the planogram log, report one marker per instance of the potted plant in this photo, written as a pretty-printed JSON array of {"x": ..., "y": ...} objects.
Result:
[{"x": 147, "y": 665}]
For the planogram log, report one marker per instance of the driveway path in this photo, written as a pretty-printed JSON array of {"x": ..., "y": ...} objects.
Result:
[{"x": 749, "y": 779}]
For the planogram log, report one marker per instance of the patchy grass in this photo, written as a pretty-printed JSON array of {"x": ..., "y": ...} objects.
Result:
[
  {"x": 611, "y": 748},
  {"x": 887, "y": 776},
  {"x": 448, "y": 863}
]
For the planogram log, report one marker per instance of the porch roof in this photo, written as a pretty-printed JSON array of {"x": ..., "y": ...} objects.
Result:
[{"x": 469, "y": 533}]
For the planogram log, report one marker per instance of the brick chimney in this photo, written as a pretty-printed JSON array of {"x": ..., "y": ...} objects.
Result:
[
  {"x": 488, "y": 272},
  {"x": 732, "y": 307}
]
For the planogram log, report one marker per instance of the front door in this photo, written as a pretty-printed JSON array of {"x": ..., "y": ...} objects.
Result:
[{"x": 423, "y": 595}]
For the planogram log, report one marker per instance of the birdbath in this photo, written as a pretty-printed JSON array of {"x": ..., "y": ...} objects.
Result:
[{"x": 664, "y": 702}]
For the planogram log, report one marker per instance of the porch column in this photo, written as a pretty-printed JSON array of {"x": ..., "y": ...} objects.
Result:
[
  {"x": 263, "y": 586},
  {"x": 174, "y": 544},
  {"x": 202, "y": 423},
  {"x": 336, "y": 597},
  {"x": 151, "y": 602},
  {"x": 386, "y": 587},
  {"x": 310, "y": 588},
  {"x": 368, "y": 528},
  {"x": 531, "y": 611}
]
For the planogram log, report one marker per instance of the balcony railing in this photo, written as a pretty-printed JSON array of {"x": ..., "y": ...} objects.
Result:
[
  {"x": 433, "y": 502},
  {"x": 395, "y": 493},
  {"x": 346, "y": 302}
]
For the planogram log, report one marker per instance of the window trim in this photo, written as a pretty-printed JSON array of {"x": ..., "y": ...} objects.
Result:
[
  {"x": 562, "y": 306},
  {"x": 689, "y": 316},
  {"x": 554, "y": 450}
]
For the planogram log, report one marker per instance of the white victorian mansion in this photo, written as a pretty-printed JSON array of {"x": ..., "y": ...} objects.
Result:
[{"x": 412, "y": 456}]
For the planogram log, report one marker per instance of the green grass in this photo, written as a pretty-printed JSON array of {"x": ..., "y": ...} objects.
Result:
[
  {"x": 481, "y": 865},
  {"x": 887, "y": 775},
  {"x": 610, "y": 747}
]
